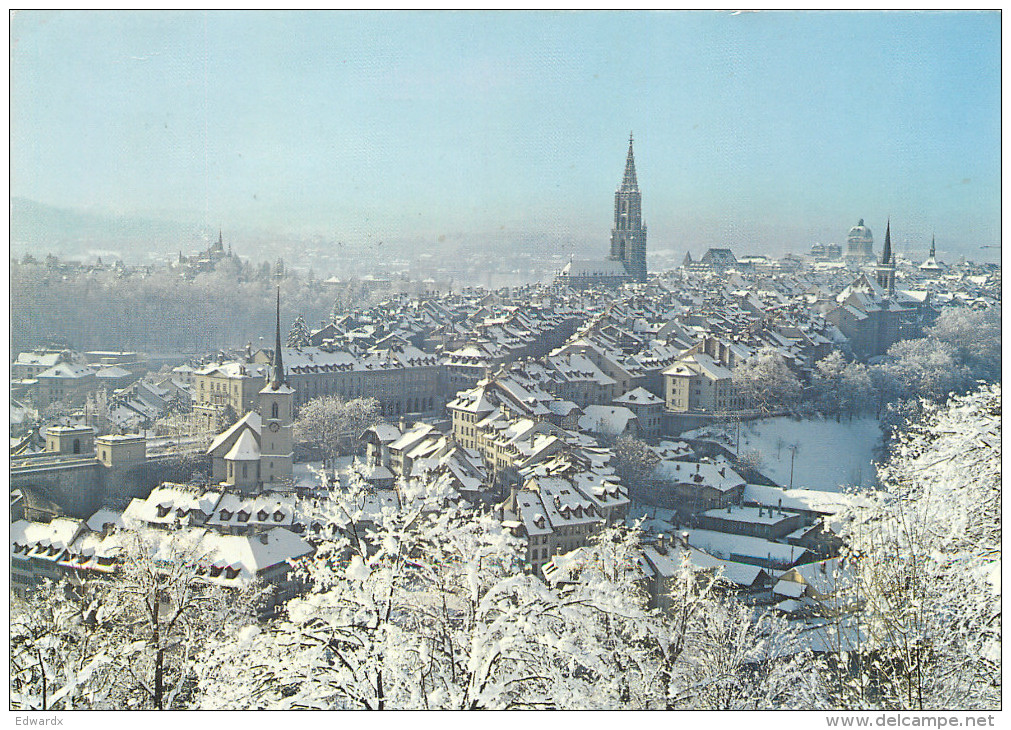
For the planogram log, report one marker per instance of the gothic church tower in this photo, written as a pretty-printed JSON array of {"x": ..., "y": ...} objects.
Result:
[
  {"x": 628, "y": 237},
  {"x": 886, "y": 269},
  {"x": 276, "y": 402}
]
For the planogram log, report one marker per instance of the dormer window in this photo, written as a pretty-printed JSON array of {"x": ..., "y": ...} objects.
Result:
[
  {"x": 163, "y": 510},
  {"x": 216, "y": 570},
  {"x": 262, "y": 515},
  {"x": 278, "y": 516},
  {"x": 243, "y": 516},
  {"x": 225, "y": 515},
  {"x": 231, "y": 572}
]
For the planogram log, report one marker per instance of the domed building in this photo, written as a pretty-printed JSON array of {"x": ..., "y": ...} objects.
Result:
[{"x": 860, "y": 243}]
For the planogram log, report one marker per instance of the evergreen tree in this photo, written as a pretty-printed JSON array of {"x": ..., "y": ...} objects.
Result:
[{"x": 299, "y": 335}]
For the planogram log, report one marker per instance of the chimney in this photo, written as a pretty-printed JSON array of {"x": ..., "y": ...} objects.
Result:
[
  {"x": 821, "y": 566},
  {"x": 780, "y": 505},
  {"x": 263, "y": 537},
  {"x": 661, "y": 544}
]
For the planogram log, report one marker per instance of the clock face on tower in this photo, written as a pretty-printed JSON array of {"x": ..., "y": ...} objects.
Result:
[{"x": 274, "y": 427}]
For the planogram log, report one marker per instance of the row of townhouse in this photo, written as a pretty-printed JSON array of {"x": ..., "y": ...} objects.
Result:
[
  {"x": 235, "y": 540},
  {"x": 401, "y": 377}
]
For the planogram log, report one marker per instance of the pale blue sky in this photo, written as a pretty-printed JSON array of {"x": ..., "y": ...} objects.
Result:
[{"x": 764, "y": 128}]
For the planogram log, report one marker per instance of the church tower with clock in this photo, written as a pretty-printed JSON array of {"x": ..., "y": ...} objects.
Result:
[{"x": 276, "y": 404}]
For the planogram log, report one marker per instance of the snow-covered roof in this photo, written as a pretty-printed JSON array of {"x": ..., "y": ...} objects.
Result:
[
  {"x": 412, "y": 436},
  {"x": 248, "y": 555},
  {"x": 749, "y": 515},
  {"x": 250, "y": 420},
  {"x": 170, "y": 502},
  {"x": 789, "y": 588},
  {"x": 638, "y": 396},
  {"x": 594, "y": 268},
  {"x": 611, "y": 420},
  {"x": 668, "y": 564},
  {"x": 112, "y": 371},
  {"x": 808, "y": 500},
  {"x": 245, "y": 449},
  {"x": 37, "y": 359},
  {"x": 720, "y": 478},
  {"x": 46, "y": 537},
  {"x": 269, "y": 508},
  {"x": 386, "y": 432},
  {"x": 105, "y": 516},
  {"x": 234, "y": 370},
  {"x": 67, "y": 371},
  {"x": 739, "y": 547}
]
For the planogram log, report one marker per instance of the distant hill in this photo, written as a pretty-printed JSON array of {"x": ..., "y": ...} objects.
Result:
[{"x": 38, "y": 228}]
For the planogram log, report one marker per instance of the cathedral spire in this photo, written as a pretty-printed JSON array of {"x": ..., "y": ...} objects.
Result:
[
  {"x": 932, "y": 251},
  {"x": 628, "y": 182},
  {"x": 277, "y": 375}
]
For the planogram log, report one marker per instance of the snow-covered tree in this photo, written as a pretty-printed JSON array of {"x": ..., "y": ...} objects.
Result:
[
  {"x": 926, "y": 557},
  {"x": 766, "y": 382},
  {"x": 331, "y": 424},
  {"x": 226, "y": 418},
  {"x": 740, "y": 658},
  {"x": 924, "y": 368},
  {"x": 58, "y": 658},
  {"x": 159, "y": 612},
  {"x": 975, "y": 335},
  {"x": 419, "y": 607},
  {"x": 129, "y": 641},
  {"x": 299, "y": 334},
  {"x": 634, "y": 461},
  {"x": 842, "y": 388}
]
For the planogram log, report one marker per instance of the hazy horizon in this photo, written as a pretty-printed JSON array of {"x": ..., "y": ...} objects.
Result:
[{"x": 764, "y": 132}]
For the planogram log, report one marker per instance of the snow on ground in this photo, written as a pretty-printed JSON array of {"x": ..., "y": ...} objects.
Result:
[{"x": 830, "y": 455}]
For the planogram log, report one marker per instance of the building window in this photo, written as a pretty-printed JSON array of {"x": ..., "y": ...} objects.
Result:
[
  {"x": 273, "y": 410},
  {"x": 77, "y": 446}
]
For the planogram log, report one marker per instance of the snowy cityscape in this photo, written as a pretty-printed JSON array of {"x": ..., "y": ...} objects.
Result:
[{"x": 615, "y": 470}]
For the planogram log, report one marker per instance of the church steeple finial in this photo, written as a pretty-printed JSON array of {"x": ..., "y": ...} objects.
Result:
[
  {"x": 933, "y": 253},
  {"x": 628, "y": 181},
  {"x": 277, "y": 374}
]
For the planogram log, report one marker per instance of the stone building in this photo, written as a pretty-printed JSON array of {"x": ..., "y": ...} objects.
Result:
[
  {"x": 219, "y": 386},
  {"x": 859, "y": 244},
  {"x": 257, "y": 452},
  {"x": 627, "y": 259}
]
